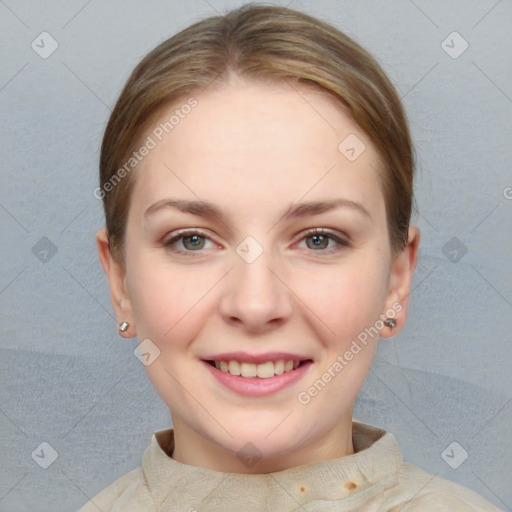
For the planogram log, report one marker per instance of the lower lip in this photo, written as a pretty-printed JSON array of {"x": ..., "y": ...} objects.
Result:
[{"x": 254, "y": 386}]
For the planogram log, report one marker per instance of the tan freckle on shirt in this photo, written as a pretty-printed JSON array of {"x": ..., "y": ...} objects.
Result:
[
  {"x": 375, "y": 476},
  {"x": 350, "y": 486}
]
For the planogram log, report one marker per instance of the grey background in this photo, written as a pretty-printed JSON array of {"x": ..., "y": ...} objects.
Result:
[{"x": 68, "y": 379}]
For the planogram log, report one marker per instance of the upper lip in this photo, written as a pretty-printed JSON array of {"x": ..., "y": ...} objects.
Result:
[{"x": 244, "y": 357}]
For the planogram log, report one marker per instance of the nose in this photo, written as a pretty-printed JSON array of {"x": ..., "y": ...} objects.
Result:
[{"x": 255, "y": 297}]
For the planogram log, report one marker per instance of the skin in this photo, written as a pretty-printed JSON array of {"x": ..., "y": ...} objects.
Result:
[{"x": 254, "y": 150}]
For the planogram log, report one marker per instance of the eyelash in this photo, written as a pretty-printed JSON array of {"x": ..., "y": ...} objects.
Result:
[{"x": 341, "y": 243}]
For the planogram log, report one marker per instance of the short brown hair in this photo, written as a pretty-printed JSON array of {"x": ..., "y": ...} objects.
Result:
[{"x": 261, "y": 42}]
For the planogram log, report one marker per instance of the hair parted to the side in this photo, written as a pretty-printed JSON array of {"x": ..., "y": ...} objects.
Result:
[{"x": 258, "y": 42}]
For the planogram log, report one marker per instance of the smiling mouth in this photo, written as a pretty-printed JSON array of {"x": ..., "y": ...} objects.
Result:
[{"x": 262, "y": 371}]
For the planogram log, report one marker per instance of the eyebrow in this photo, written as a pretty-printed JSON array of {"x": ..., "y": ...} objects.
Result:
[{"x": 210, "y": 210}]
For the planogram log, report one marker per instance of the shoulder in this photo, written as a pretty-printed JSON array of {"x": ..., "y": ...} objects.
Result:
[
  {"x": 106, "y": 498},
  {"x": 422, "y": 491}
]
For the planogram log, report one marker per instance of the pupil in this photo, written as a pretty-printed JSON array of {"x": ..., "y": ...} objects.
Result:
[
  {"x": 319, "y": 239},
  {"x": 195, "y": 240}
]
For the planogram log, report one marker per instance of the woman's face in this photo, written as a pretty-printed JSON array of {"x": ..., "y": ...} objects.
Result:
[{"x": 254, "y": 278}]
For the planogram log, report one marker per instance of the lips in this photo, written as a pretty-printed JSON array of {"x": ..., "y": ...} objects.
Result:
[
  {"x": 264, "y": 384},
  {"x": 262, "y": 366}
]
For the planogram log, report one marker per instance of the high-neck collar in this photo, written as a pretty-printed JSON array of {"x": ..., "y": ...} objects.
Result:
[{"x": 375, "y": 463}]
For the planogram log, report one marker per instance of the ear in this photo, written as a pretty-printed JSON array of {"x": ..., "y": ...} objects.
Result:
[
  {"x": 116, "y": 276},
  {"x": 402, "y": 269}
]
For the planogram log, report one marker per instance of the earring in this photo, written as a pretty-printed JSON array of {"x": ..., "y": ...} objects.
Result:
[
  {"x": 390, "y": 322},
  {"x": 123, "y": 326}
]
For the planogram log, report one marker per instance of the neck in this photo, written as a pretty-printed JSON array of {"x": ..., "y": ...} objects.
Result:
[{"x": 192, "y": 448}]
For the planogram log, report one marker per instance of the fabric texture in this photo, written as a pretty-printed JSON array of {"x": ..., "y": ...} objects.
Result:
[{"x": 373, "y": 479}]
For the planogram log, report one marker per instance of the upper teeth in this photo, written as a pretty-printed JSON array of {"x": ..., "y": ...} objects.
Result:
[{"x": 263, "y": 370}]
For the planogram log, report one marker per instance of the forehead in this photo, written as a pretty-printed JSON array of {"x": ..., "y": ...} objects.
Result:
[{"x": 253, "y": 145}]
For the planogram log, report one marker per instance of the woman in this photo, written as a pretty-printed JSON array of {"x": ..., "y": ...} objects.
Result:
[{"x": 257, "y": 180}]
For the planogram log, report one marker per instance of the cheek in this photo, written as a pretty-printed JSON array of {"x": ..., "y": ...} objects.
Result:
[
  {"x": 166, "y": 299},
  {"x": 338, "y": 302},
  {"x": 153, "y": 302},
  {"x": 344, "y": 300}
]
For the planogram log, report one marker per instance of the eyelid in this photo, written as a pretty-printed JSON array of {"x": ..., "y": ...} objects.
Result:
[
  {"x": 182, "y": 233},
  {"x": 325, "y": 231},
  {"x": 340, "y": 240},
  {"x": 185, "y": 232}
]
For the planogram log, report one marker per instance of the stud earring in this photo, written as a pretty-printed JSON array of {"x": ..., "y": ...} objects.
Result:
[
  {"x": 390, "y": 322},
  {"x": 123, "y": 326}
]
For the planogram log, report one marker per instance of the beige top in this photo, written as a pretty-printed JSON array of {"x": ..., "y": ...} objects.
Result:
[{"x": 373, "y": 479}]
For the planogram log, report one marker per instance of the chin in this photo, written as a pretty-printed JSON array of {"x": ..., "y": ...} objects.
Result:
[{"x": 270, "y": 439}]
